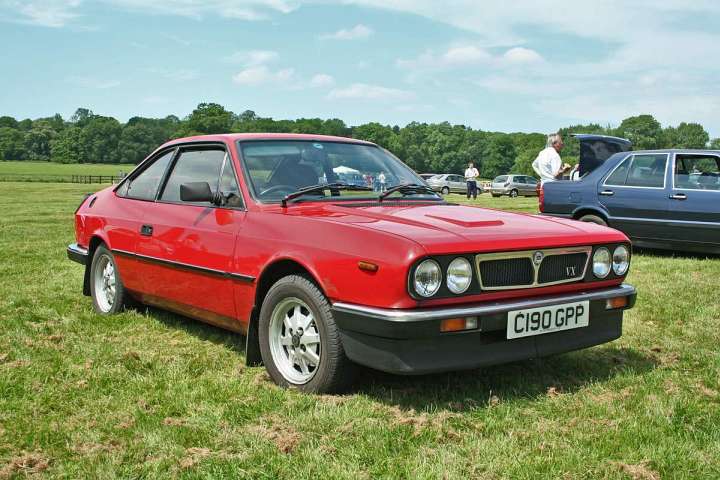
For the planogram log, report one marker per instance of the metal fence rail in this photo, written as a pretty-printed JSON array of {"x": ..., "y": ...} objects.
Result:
[{"x": 54, "y": 178}]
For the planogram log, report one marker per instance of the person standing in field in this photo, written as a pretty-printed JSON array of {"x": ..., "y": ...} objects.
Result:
[
  {"x": 471, "y": 177},
  {"x": 548, "y": 164},
  {"x": 381, "y": 180}
]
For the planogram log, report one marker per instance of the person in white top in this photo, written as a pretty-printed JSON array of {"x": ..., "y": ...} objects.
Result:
[
  {"x": 548, "y": 164},
  {"x": 471, "y": 176},
  {"x": 381, "y": 180}
]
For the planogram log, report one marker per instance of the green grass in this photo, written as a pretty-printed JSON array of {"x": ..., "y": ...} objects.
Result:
[
  {"x": 149, "y": 394},
  {"x": 56, "y": 172}
]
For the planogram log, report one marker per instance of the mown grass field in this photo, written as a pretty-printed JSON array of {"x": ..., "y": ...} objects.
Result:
[
  {"x": 51, "y": 171},
  {"x": 148, "y": 394}
]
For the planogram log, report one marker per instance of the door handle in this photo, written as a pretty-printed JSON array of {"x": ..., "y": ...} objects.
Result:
[
  {"x": 678, "y": 196},
  {"x": 607, "y": 193},
  {"x": 146, "y": 230}
]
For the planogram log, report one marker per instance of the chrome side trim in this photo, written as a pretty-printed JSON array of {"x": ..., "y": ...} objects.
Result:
[
  {"x": 186, "y": 266},
  {"x": 490, "y": 308},
  {"x": 587, "y": 250}
]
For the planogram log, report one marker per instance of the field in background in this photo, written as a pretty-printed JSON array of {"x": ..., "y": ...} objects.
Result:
[
  {"x": 150, "y": 394},
  {"x": 57, "y": 172}
]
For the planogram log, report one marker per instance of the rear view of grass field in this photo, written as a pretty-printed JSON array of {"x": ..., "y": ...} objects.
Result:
[{"x": 150, "y": 394}]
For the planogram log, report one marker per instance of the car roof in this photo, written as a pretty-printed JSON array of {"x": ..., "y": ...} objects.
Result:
[
  {"x": 677, "y": 150},
  {"x": 233, "y": 137}
]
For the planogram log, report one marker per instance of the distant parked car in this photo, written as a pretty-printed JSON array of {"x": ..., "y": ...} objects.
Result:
[
  {"x": 660, "y": 199},
  {"x": 513, "y": 185},
  {"x": 447, "y": 182}
]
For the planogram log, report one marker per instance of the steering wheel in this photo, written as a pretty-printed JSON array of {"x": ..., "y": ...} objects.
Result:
[{"x": 278, "y": 188}]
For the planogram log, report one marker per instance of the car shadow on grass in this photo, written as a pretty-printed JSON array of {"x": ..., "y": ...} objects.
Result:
[{"x": 459, "y": 391}]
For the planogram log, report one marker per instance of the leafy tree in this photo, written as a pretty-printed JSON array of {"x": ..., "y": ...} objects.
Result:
[
  {"x": 209, "y": 118},
  {"x": 499, "y": 156},
  {"x": 55, "y": 122},
  {"x": 689, "y": 135},
  {"x": 38, "y": 140},
  {"x": 12, "y": 144},
  {"x": 715, "y": 144},
  {"x": 100, "y": 138},
  {"x": 25, "y": 125},
  {"x": 374, "y": 132},
  {"x": 137, "y": 141},
  {"x": 643, "y": 131},
  {"x": 8, "y": 122},
  {"x": 82, "y": 117},
  {"x": 68, "y": 147}
]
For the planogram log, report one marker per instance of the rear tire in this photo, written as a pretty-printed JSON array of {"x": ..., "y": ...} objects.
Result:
[
  {"x": 300, "y": 343},
  {"x": 445, "y": 191},
  {"x": 593, "y": 219},
  {"x": 106, "y": 288}
]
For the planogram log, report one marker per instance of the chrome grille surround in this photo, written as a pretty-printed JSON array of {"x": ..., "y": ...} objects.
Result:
[{"x": 530, "y": 255}]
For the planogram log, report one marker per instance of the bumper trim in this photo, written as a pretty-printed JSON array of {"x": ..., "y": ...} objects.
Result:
[
  {"x": 425, "y": 314},
  {"x": 78, "y": 254}
]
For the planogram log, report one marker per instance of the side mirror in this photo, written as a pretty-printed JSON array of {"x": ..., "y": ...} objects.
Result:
[{"x": 198, "y": 192}]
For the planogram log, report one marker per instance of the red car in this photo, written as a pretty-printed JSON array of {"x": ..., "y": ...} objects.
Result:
[{"x": 257, "y": 234}]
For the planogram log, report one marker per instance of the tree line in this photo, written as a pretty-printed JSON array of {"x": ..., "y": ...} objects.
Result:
[{"x": 427, "y": 147}]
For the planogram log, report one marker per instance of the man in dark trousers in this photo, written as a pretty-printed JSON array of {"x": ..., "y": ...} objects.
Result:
[{"x": 471, "y": 177}]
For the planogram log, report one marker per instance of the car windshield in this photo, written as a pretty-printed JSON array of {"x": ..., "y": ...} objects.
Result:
[{"x": 277, "y": 168}]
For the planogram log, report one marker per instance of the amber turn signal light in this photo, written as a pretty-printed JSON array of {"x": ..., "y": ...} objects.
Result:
[
  {"x": 617, "y": 302},
  {"x": 458, "y": 324},
  {"x": 368, "y": 267}
]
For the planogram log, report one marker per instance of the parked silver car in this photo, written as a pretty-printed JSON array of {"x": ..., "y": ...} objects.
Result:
[
  {"x": 514, "y": 185},
  {"x": 448, "y": 182}
]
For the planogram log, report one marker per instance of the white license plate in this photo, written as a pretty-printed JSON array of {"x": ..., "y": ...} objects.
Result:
[{"x": 536, "y": 321}]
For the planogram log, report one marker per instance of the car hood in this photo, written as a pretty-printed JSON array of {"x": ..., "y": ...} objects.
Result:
[{"x": 457, "y": 228}]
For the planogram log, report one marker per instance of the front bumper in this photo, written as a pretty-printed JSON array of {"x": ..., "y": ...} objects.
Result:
[
  {"x": 78, "y": 254},
  {"x": 410, "y": 341}
]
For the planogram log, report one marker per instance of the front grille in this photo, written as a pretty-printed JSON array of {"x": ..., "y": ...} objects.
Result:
[
  {"x": 557, "y": 268},
  {"x": 532, "y": 268},
  {"x": 507, "y": 271}
]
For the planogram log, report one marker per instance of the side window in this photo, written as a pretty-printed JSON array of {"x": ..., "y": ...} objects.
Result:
[
  {"x": 229, "y": 186},
  {"x": 647, "y": 171},
  {"x": 618, "y": 177},
  {"x": 696, "y": 172},
  {"x": 202, "y": 165},
  {"x": 145, "y": 185}
]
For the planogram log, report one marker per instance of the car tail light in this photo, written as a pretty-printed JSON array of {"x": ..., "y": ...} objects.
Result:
[{"x": 541, "y": 197}]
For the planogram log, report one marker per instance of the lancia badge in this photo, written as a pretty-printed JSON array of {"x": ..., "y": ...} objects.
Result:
[{"x": 538, "y": 257}]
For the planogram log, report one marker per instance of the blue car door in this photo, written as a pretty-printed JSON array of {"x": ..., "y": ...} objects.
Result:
[
  {"x": 635, "y": 195},
  {"x": 694, "y": 202}
]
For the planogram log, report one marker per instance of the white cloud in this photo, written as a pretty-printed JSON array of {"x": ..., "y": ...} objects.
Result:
[
  {"x": 465, "y": 54},
  {"x": 237, "y": 9},
  {"x": 262, "y": 75},
  {"x": 45, "y": 13},
  {"x": 358, "y": 31},
  {"x": 322, "y": 80},
  {"x": 252, "y": 58},
  {"x": 363, "y": 91},
  {"x": 92, "y": 82},
  {"x": 519, "y": 55}
]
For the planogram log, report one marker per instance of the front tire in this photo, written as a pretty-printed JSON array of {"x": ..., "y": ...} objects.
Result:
[
  {"x": 299, "y": 341},
  {"x": 106, "y": 287},
  {"x": 513, "y": 193},
  {"x": 445, "y": 191}
]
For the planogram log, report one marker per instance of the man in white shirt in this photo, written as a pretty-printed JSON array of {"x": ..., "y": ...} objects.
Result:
[
  {"x": 548, "y": 164},
  {"x": 471, "y": 176}
]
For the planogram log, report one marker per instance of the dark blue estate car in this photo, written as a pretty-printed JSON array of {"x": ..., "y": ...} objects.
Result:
[{"x": 666, "y": 199}]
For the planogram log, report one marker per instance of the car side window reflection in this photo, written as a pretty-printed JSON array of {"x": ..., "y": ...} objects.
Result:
[
  {"x": 145, "y": 185},
  {"x": 640, "y": 171},
  {"x": 697, "y": 172},
  {"x": 202, "y": 165},
  {"x": 229, "y": 186}
]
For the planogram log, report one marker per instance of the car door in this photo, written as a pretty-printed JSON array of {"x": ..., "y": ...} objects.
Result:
[
  {"x": 189, "y": 246},
  {"x": 458, "y": 184},
  {"x": 694, "y": 202},
  {"x": 635, "y": 195},
  {"x": 530, "y": 186},
  {"x": 135, "y": 194}
]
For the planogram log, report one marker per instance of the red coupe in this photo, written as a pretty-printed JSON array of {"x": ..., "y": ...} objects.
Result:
[{"x": 329, "y": 252}]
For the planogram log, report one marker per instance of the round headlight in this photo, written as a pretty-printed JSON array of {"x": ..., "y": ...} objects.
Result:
[
  {"x": 459, "y": 275},
  {"x": 621, "y": 260},
  {"x": 428, "y": 278},
  {"x": 601, "y": 262}
]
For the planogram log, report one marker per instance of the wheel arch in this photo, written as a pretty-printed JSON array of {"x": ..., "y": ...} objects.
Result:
[
  {"x": 588, "y": 210},
  {"x": 95, "y": 241},
  {"x": 274, "y": 271}
]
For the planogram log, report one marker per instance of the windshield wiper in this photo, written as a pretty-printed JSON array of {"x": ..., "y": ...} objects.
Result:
[
  {"x": 406, "y": 188},
  {"x": 321, "y": 187}
]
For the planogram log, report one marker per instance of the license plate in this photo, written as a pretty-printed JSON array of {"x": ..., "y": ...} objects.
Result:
[{"x": 536, "y": 321}]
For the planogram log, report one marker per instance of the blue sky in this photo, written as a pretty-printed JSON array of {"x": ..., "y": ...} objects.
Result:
[{"x": 505, "y": 66}]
